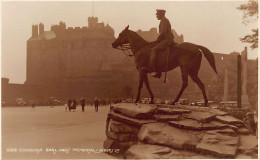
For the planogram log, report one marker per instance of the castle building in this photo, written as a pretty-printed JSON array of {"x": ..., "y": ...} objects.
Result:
[
  {"x": 72, "y": 60},
  {"x": 65, "y": 54},
  {"x": 67, "y": 62}
]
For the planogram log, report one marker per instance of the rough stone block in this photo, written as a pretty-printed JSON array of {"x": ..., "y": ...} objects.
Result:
[
  {"x": 219, "y": 145},
  {"x": 201, "y": 116},
  {"x": 135, "y": 110},
  {"x": 229, "y": 120},
  {"x": 167, "y": 117},
  {"x": 243, "y": 156},
  {"x": 218, "y": 112},
  {"x": 116, "y": 126},
  {"x": 192, "y": 125},
  {"x": 222, "y": 125},
  {"x": 186, "y": 107},
  {"x": 226, "y": 131},
  {"x": 243, "y": 131},
  {"x": 172, "y": 111},
  {"x": 128, "y": 120},
  {"x": 146, "y": 151},
  {"x": 163, "y": 134},
  {"x": 248, "y": 145},
  {"x": 121, "y": 136}
]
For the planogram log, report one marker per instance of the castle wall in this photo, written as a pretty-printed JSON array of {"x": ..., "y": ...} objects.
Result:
[{"x": 80, "y": 62}]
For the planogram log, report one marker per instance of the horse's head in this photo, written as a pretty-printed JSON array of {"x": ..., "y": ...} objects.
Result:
[{"x": 122, "y": 38}]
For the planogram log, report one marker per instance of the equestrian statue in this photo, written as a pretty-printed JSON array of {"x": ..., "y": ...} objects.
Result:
[{"x": 164, "y": 55}]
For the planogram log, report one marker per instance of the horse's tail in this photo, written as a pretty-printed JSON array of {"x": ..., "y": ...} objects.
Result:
[{"x": 209, "y": 56}]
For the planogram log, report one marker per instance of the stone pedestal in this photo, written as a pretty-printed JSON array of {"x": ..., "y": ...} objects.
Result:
[{"x": 142, "y": 131}]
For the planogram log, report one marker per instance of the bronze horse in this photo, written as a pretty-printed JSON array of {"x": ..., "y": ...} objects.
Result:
[{"x": 185, "y": 55}]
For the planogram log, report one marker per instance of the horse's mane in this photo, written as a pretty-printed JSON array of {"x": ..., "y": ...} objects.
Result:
[
  {"x": 137, "y": 37},
  {"x": 143, "y": 53}
]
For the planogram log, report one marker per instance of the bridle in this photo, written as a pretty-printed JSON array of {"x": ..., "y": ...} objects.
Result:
[{"x": 125, "y": 47}]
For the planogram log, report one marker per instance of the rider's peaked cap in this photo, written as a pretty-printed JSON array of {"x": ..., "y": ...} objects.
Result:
[{"x": 160, "y": 11}]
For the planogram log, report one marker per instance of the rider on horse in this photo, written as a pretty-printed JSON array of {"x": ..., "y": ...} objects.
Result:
[{"x": 164, "y": 40}]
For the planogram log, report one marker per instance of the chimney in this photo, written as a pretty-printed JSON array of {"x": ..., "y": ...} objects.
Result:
[
  {"x": 41, "y": 28},
  {"x": 34, "y": 30}
]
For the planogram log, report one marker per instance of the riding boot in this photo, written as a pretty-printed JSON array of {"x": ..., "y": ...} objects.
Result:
[{"x": 152, "y": 60}]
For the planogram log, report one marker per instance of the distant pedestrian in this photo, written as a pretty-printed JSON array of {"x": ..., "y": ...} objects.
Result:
[
  {"x": 74, "y": 104},
  {"x": 96, "y": 103},
  {"x": 83, "y": 103},
  {"x": 69, "y": 103},
  {"x": 52, "y": 104},
  {"x": 33, "y": 107}
]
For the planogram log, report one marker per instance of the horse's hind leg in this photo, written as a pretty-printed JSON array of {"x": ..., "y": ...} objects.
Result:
[
  {"x": 196, "y": 79},
  {"x": 141, "y": 80},
  {"x": 184, "y": 85},
  {"x": 146, "y": 82}
]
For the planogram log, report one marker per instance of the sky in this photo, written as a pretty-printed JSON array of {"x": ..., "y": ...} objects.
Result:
[{"x": 216, "y": 25}]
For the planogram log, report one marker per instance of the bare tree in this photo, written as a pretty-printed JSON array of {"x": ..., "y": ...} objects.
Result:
[{"x": 250, "y": 11}]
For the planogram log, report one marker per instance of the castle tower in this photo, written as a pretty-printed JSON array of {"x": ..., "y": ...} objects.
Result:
[
  {"x": 34, "y": 30},
  {"x": 92, "y": 22},
  {"x": 41, "y": 28},
  {"x": 62, "y": 26}
]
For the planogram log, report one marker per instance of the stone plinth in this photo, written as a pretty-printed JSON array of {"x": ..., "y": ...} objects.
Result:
[{"x": 142, "y": 131}]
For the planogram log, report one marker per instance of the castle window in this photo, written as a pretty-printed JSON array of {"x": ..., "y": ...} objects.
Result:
[{"x": 222, "y": 58}]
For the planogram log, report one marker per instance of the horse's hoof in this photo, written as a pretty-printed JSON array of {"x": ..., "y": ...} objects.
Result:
[{"x": 173, "y": 103}]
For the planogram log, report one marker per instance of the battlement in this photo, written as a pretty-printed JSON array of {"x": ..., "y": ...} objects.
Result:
[
  {"x": 34, "y": 30},
  {"x": 93, "y": 30}
]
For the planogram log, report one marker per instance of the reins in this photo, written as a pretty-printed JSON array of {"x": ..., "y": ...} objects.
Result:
[{"x": 124, "y": 48}]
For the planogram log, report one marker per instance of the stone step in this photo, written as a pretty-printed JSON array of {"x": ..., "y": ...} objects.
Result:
[
  {"x": 200, "y": 116},
  {"x": 227, "y": 119},
  {"x": 128, "y": 120},
  {"x": 135, "y": 110},
  {"x": 167, "y": 117},
  {"x": 191, "y": 124},
  {"x": 172, "y": 111}
]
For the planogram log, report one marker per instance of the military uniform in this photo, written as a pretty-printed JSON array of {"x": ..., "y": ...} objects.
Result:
[{"x": 165, "y": 38}]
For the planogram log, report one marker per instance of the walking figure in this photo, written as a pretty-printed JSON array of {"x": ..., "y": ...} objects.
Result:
[
  {"x": 74, "y": 104},
  {"x": 96, "y": 103},
  {"x": 83, "y": 103},
  {"x": 69, "y": 104},
  {"x": 33, "y": 107}
]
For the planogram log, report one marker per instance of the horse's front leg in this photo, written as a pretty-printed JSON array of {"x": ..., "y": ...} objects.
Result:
[
  {"x": 184, "y": 85},
  {"x": 141, "y": 80}
]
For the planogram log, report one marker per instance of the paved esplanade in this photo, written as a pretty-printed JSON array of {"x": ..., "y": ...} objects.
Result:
[{"x": 72, "y": 134}]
